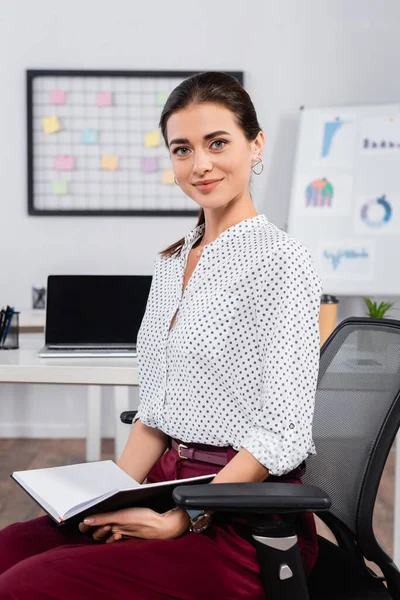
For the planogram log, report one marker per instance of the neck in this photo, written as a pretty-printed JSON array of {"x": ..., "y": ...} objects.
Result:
[{"x": 219, "y": 219}]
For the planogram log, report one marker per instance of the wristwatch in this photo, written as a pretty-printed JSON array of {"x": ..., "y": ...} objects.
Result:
[{"x": 199, "y": 520}]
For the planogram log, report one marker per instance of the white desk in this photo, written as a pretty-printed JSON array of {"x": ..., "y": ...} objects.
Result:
[{"x": 24, "y": 366}]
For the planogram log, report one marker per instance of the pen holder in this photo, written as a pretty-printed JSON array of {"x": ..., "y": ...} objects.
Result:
[{"x": 10, "y": 339}]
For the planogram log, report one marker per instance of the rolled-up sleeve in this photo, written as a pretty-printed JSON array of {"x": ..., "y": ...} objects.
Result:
[
  {"x": 137, "y": 416},
  {"x": 287, "y": 314}
]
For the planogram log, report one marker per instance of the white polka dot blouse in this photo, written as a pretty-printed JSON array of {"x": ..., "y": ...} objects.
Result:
[{"x": 239, "y": 367}]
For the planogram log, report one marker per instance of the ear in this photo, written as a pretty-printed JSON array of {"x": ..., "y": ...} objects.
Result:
[{"x": 257, "y": 147}]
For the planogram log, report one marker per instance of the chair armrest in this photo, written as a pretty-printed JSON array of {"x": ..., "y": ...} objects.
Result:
[
  {"x": 253, "y": 497},
  {"x": 127, "y": 416}
]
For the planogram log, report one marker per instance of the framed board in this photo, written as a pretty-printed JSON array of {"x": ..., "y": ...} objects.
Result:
[
  {"x": 94, "y": 146},
  {"x": 345, "y": 201}
]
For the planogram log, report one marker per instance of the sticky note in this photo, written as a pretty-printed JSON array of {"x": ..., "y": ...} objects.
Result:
[
  {"x": 168, "y": 177},
  {"x": 161, "y": 98},
  {"x": 104, "y": 98},
  {"x": 109, "y": 162},
  {"x": 60, "y": 188},
  {"x": 152, "y": 139},
  {"x": 57, "y": 97},
  {"x": 89, "y": 136},
  {"x": 64, "y": 163},
  {"x": 51, "y": 124},
  {"x": 148, "y": 164}
]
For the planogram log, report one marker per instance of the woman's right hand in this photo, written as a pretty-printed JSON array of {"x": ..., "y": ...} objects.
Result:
[
  {"x": 97, "y": 533},
  {"x": 142, "y": 523}
]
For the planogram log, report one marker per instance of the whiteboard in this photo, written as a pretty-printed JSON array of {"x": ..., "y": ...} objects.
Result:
[{"x": 345, "y": 197}]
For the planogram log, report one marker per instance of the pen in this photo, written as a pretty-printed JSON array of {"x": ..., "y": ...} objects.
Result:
[
  {"x": 2, "y": 322},
  {"x": 9, "y": 315}
]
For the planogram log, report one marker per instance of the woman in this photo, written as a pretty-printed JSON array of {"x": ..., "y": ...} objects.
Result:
[{"x": 228, "y": 355}]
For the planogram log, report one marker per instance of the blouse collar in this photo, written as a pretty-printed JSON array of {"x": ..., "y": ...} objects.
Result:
[{"x": 234, "y": 231}]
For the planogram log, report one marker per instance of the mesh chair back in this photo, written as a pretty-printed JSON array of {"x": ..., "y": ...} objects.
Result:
[{"x": 359, "y": 381}]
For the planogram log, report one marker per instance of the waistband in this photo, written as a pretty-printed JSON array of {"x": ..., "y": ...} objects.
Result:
[
  {"x": 218, "y": 455},
  {"x": 214, "y": 455}
]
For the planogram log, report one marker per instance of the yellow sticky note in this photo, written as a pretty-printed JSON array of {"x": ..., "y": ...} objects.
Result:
[
  {"x": 109, "y": 162},
  {"x": 168, "y": 176},
  {"x": 152, "y": 139},
  {"x": 51, "y": 124}
]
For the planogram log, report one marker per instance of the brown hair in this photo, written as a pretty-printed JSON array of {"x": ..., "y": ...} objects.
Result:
[{"x": 217, "y": 88}]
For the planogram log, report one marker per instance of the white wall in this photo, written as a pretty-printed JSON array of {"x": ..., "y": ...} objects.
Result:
[{"x": 295, "y": 52}]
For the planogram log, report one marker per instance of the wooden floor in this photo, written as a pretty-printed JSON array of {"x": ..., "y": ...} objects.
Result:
[{"x": 21, "y": 454}]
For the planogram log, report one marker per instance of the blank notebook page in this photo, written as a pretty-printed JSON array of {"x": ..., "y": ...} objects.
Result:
[{"x": 65, "y": 487}]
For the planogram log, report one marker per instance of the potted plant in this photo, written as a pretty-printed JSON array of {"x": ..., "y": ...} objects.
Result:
[
  {"x": 375, "y": 310},
  {"x": 373, "y": 341}
]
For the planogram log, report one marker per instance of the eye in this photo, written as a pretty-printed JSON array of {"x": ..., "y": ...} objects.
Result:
[
  {"x": 182, "y": 151},
  {"x": 218, "y": 144}
]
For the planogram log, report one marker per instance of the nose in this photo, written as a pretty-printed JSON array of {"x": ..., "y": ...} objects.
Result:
[{"x": 201, "y": 164}]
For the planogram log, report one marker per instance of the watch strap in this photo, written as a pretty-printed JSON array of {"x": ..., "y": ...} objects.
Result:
[{"x": 194, "y": 513}]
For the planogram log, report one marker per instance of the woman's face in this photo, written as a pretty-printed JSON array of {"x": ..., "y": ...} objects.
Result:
[{"x": 210, "y": 154}]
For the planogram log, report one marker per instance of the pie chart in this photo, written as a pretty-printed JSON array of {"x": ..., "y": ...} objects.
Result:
[{"x": 376, "y": 212}]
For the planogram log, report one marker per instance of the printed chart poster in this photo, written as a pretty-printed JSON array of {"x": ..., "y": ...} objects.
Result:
[
  {"x": 346, "y": 259},
  {"x": 320, "y": 195},
  {"x": 380, "y": 135},
  {"x": 377, "y": 215},
  {"x": 336, "y": 140}
]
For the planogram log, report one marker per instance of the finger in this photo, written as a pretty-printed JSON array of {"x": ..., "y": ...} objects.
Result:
[
  {"x": 116, "y": 537},
  {"x": 102, "y": 519},
  {"x": 84, "y": 528},
  {"x": 101, "y": 532}
]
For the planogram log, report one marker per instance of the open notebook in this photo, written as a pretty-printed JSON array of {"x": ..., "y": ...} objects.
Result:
[{"x": 74, "y": 492}]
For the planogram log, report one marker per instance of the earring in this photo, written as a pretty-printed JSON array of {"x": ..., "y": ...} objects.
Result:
[
  {"x": 259, "y": 162},
  {"x": 175, "y": 180}
]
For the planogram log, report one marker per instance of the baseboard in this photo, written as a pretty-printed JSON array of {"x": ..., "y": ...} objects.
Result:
[{"x": 42, "y": 430}]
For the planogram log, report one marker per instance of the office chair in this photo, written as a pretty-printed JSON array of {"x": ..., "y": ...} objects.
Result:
[{"x": 357, "y": 415}]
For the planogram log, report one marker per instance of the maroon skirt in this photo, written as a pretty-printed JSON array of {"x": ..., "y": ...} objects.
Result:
[{"x": 39, "y": 560}]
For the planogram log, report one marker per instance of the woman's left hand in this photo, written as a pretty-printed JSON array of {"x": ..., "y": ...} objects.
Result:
[{"x": 141, "y": 523}]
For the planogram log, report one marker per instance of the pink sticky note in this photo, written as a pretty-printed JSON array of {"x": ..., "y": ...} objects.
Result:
[
  {"x": 148, "y": 164},
  {"x": 64, "y": 163},
  {"x": 57, "y": 97},
  {"x": 104, "y": 98}
]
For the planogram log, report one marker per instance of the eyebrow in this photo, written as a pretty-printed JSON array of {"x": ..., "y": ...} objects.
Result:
[{"x": 207, "y": 137}]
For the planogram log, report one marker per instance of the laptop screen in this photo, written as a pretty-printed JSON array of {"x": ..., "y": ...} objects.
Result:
[{"x": 95, "y": 309}]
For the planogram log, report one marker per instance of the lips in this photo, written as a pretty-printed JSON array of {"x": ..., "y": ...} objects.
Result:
[{"x": 207, "y": 185}]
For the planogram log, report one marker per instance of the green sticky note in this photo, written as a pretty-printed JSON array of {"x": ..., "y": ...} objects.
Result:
[
  {"x": 161, "y": 98},
  {"x": 60, "y": 188}
]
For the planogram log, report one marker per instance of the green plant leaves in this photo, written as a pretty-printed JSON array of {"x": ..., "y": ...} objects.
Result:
[{"x": 375, "y": 310}]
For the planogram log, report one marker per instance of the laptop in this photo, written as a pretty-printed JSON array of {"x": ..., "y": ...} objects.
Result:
[{"x": 94, "y": 315}]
